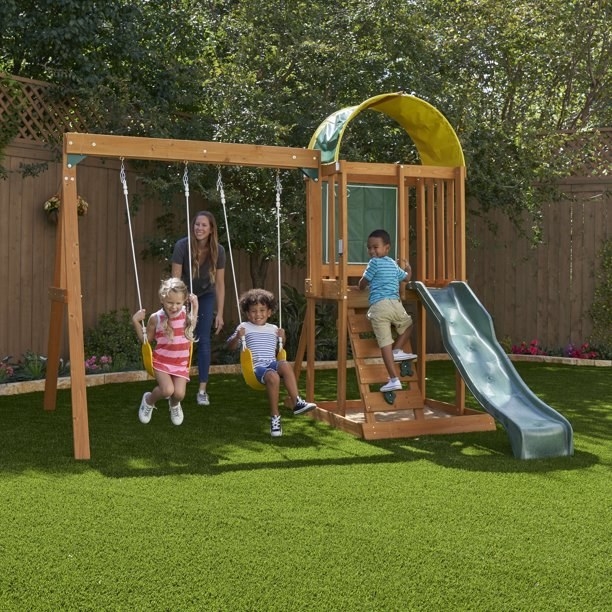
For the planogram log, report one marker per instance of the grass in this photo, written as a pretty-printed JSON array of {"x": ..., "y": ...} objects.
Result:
[{"x": 216, "y": 515}]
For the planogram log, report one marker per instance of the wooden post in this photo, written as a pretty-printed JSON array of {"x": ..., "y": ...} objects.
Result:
[
  {"x": 57, "y": 294},
  {"x": 70, "y": 229}
]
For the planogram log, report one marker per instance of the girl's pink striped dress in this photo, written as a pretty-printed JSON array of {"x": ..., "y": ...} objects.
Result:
[{"x": 171, "y": 355}]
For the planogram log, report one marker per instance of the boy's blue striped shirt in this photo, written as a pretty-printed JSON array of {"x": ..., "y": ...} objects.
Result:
[{"x": 384, "y": 277}]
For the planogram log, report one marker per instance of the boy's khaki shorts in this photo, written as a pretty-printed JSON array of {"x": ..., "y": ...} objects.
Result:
[{"x": 386, "y": 314}]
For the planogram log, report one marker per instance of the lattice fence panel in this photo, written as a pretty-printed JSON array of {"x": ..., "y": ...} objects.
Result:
[{"x": 42, "y": 116}]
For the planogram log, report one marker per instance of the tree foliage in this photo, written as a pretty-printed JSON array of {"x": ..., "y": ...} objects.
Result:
[{"x": 520, "y": 82}]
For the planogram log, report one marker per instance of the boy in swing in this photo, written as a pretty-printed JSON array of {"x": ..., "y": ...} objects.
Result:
[{"x": 261, "y": 337}]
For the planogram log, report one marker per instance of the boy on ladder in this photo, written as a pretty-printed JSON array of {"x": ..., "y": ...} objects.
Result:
[{"x": 386, "y": 310}]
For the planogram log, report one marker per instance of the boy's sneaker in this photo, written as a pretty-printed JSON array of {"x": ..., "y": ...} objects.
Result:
[
  {"x": 399, "y": 355},
  {"x": 146, "y": 410},
  {"x": 176, "y": 413},
  {"x": 392, "y": 385},
  {"x": 202, "y": 399},
  {"x": 276, "y": 429},
  {"x": 302, "y": 406}
]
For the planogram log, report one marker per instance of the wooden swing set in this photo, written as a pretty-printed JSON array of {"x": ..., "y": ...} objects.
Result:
[{"x": 428, "y": 203}]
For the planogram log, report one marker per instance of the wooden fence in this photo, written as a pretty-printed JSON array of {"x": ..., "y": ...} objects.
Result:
[
  {"x": 27, "y": 246},
  {"x": 542, "y": 293}
]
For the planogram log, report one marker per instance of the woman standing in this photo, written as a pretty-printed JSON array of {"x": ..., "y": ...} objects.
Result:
[{"x": 208, "y": 277}]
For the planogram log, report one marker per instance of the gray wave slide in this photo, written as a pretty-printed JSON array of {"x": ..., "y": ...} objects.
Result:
[{"x": 535, "y": 429}]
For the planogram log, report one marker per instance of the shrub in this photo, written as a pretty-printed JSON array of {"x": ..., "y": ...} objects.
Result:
[
  {"x": 98, "y": 365},
  {"x": 533, "y": 348},
  {"x": 114, "y": 337},
  {"x": 220, "y": 354},
  {"x": 32, "y": 367},
  {"x": 6, "y": 370},
  {"x": 326, "y": 330},
  {"x": 584, "y": 351}
]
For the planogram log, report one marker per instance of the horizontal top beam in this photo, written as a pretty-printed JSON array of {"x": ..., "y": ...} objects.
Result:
[
  {"x": 367, "y": 170},
  {"x": 165, "y": 149}
]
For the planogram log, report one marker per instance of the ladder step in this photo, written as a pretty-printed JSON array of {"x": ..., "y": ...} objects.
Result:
[
  {"x": 359, "y": 324},
  {"x": 369, "y": 373},
  {"x": 364, "y": 348},
  {"x": 404, "y": 400}
]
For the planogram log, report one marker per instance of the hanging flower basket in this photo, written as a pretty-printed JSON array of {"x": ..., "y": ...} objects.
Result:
[{"x": 52, "y": 207}]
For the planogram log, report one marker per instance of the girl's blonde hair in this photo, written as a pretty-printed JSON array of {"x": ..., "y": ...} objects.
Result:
[
  {"x": 213, "y": 247},
  {"x": 176, "y": 285}
]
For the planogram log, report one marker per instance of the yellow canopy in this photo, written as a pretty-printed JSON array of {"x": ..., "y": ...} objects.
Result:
[{"x": 431, "y": 133}]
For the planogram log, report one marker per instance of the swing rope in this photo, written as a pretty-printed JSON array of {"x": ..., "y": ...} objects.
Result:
[
  {"x": 147, "y": 354},
  {"x": 186, "y": 188},
  {"x": 279, "y": 190},
  {"x": 246, "y": 358},
  {"x": 229, "y": 240}
]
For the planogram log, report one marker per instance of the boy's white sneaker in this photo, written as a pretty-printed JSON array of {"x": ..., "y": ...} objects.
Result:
[
  {"x": 399, "y": 355},
  {"x": 392, "y": 385},
  {"x": 302, "y": 406},
  {"x": 203, "y": 399},
  {"x": 276, "y": 429}
]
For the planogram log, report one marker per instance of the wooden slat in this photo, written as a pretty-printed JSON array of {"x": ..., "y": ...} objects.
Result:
[
  {"x": 450, "y": 230},
  {"x": 368, "y": 172},
  {"x": 380, "y": 430},
  {"x": 441, "y": 229},
  {"x": 365, "y": 348},
  {"x": 408, "y": 399},
  {"x": 359, "y": 323}
]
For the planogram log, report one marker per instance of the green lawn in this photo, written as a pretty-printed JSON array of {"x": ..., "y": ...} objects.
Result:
[{"x": 216, "y": 515}]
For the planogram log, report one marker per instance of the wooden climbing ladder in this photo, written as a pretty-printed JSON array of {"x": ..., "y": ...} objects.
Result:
[{"x": 371, "y": 374}]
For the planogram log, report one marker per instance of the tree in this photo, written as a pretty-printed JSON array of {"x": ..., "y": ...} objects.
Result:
[{"x": 520, "y": 82}]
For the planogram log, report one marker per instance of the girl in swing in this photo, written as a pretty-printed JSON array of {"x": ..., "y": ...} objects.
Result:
[
  {"x": 171, "y": 327},
  {"x": 258, "y": 305}
]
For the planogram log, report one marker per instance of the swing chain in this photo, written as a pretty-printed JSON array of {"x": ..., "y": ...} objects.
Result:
[
  {"x": 220, "y": 186},
  {"x": 186, "y": 180},
  {"x": 122, "y": 177},
  {"x": 279, "y": 188}
]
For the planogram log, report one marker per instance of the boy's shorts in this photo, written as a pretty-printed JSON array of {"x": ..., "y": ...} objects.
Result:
[
  {"x": 386, "y": 314},
  {"x": 260, "y": 371}
]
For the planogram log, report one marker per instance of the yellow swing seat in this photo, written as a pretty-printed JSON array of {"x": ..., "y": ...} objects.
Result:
[
  {"x": 147, "y": 356},
  {"x": 246, "y": 364}
]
